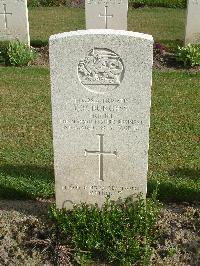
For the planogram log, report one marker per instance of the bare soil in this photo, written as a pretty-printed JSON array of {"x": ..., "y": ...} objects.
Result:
[
  {"x": 43, "y": 56},
  {"x": 26, "y": 237}
]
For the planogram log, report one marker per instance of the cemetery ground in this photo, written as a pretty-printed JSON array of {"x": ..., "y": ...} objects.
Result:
[{"x": 27, "y": 179}]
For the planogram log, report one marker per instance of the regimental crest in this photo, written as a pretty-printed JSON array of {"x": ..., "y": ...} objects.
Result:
[{"x": 101, "y": 71}]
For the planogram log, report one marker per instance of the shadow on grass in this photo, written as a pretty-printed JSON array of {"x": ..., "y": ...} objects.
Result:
[
  {"x": 26, "y": 181},
  {"x": 39, "y": 43},
  {"x": 28, "y": 207},
  {"x": 185, "y": 173},
  {"x": 182, "y": 184}
]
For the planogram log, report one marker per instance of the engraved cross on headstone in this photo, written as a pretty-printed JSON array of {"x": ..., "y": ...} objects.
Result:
[
  {"x": 100, "y": 153},
  {"x": 106, "y": 16},
  {"x": 5, "y": 13}
]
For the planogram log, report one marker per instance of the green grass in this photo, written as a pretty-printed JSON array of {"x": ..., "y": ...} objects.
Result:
[
  {"x": 162, "y": 23},
  {"x": 165, "y": 24},
  {"x": 174, "y": 137},
  {"x": 52, "y": 20},
  {"x": 27, "y": 167}
]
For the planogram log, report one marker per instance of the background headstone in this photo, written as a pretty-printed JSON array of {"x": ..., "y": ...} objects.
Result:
[
  {"x": 102, "y": 14},
  {"x": 101, "y": 91},
  {"x": 14, "y": 20},
  {"x": 193, "y": 22}
]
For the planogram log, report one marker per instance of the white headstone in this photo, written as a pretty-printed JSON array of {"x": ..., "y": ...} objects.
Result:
[
  {"x": 101, "y": 92},
  {"x": 106, "y": 14},
  {"x": 193, "y": 22},
  {"x": 14, "y": 20}
]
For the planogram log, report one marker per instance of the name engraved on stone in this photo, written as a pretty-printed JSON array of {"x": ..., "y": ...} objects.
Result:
[
  {"x": 97, "y": 114},
  {"x": 101, "y": 71},
  {"x": 106, "y": 16},
  {"x": 5, "y": 13},
  {"x": 100, "y": 154}
]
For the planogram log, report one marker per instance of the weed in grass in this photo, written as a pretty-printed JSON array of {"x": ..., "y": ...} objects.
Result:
[
  {"x": 171, "y": 251},
  {"x": 120, "y": 233}
]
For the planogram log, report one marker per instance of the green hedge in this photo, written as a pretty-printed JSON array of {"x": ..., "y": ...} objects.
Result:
[
  {"x": 159, "y": 3},
  {"x": 35, "y": 3},
  {"x": 132, "y": 3}
]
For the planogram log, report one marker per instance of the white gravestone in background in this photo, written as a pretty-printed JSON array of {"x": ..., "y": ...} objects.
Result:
[
  {"x": 193, "y": 22},
  {"x": 101, "y": 92},
  {"x": 105, "y": 14},
  {"x": 14, "y": 20}
]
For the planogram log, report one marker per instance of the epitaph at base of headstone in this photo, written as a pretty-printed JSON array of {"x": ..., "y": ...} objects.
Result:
[
  {"x": 192, "y": 34},
  {"x": 14, "y": 21},
  {"x": 106, "y": 14},
  {"x": 101, "y": 94}
]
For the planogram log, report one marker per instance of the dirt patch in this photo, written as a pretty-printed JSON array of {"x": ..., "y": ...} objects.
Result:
[
  {"x": 16, "y": 220},
  {"x": 42, "y": 56},
  {"x": 179, "y": 241},
  {"x": 167, "y": 61},
  {"x": 26, "y": 237}
]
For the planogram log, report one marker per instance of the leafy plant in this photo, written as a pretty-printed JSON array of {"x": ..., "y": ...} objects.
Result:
[
  {"x": 189, "y": 55},
  {"x": 20, "y": 54},
  {"x": 120, "y": 232}
]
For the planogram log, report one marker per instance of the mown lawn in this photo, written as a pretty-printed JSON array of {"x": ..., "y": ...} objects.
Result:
[
  {"x": 27, "y": 164},
  {"x": 163, "y": 23},
  {"x": 27, "y": 168}
]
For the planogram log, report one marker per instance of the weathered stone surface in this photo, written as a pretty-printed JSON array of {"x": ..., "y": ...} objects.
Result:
[
  {"x": 105, "y": 14},
  {"x": 193, "y": 22},
  {"x": 14, "y": 20},
  {"x": 101, "y": 91}
]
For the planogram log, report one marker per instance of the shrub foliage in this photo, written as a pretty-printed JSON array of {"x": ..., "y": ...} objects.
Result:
[{"x": 119, "y": 233}]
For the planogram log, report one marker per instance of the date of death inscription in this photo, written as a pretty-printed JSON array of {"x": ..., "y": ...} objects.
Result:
[
  {"x": 101, "y": 114},
  {"x": 96, "y": 190}
]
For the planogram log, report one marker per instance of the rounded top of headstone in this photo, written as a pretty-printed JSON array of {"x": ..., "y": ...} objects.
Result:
[{"x": 101, "y": 32}]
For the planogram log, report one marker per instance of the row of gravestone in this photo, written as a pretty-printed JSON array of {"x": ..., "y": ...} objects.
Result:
[{"x": 100, "y": 14}]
